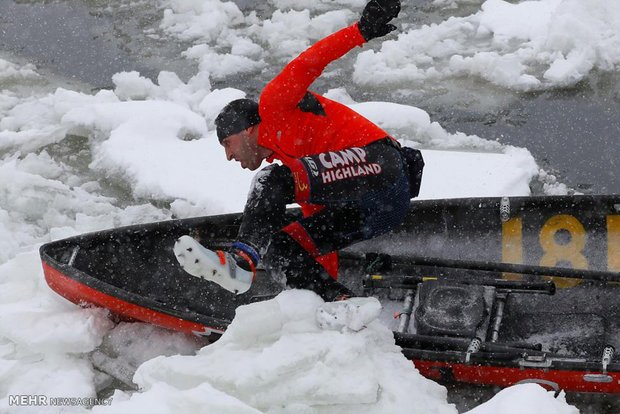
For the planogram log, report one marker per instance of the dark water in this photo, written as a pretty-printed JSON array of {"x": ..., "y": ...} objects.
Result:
[
  {"x": 87, "y": 41},
  {"x": 574, "y": 133}
]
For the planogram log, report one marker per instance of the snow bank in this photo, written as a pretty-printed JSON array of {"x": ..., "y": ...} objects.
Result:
[
  {"x": 226, "y": 42},
  {"x": 9, "y": 71},
  {"x": 476, "y": 173},
  {"x": 42, "y": 337},
  {"x": 525, "y": 399},
  {"x": 274, "y": 359},
  {"x": 159, "y": 139},
  {"x": 146, "y": 146},
  {"x": 35, "y": 122},
  {"x": 47, "y": 200},
  {"x": 460, "y": 164},
  {"x": 47, "y": 343},
  {"x": 530, "y": 45}
]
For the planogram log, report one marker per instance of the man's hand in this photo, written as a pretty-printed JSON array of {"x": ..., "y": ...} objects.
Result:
[{"x": 376, "y": 17}]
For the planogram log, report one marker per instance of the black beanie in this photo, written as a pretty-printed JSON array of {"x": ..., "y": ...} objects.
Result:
[{"x": 238, "y": 115}]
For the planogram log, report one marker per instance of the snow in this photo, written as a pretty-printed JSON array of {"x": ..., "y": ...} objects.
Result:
[
  {"x": 154, "y": 144},
  {"x": 43, "y": 335},
  {"x": 531, "y": 45},
  {"x": 275, "y": 359},
  {"x": 11, "y": 71},
  {"x": 525, "y": 398}
]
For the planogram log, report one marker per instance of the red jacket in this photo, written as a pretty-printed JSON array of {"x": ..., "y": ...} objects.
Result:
[{"x": 296, "y": 122}]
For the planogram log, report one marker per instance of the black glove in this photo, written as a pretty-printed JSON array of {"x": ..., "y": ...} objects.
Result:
[{"x": 376, "y": 16}]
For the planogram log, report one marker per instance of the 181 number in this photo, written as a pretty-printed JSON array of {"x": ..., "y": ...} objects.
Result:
[{"x": 563, "y": 240}]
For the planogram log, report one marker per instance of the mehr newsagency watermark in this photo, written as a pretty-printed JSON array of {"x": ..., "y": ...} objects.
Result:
[{"x": 44, "y": 400}]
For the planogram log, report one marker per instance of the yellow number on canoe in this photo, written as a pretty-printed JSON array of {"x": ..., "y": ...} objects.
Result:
[
  {"x": 613, "y": 243},
  {"x": 564, "y": 247}
]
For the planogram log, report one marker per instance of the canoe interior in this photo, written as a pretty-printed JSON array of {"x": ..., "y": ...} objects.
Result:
[{"x": 137, "y": 263}]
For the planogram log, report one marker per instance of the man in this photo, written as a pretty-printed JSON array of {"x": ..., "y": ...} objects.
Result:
[{"x": 353, "y": 180}]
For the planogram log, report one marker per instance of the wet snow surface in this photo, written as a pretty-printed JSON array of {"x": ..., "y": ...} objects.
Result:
[{"x": 106, "y": 119}]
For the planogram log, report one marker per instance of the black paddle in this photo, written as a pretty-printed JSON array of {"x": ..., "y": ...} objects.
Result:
[{"x": 485, "y": 266}]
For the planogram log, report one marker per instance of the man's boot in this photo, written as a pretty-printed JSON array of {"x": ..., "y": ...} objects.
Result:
[{"x": 224, "y": 268}]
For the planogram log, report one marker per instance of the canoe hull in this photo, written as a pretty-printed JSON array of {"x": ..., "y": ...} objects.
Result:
[{"x": 132, "y": 272}]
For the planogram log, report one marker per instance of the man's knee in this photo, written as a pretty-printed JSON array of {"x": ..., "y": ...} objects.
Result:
[
  {"x": 287, "y": 262},
  {"x": 283, "y": 252},
  {"x": 285, "y": 257}
]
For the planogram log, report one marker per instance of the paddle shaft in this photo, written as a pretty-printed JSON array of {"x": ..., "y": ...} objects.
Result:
[
  {"x": 486, "y": 266},
  {"x": 409, "y": 282},
  {"x": 407, "y": 340}
]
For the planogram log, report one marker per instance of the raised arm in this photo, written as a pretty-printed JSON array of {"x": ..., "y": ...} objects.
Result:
[{"x": 288, "y": 88}]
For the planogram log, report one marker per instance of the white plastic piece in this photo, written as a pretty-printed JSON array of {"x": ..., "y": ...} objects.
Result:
[{"x": 203, "y": 263}]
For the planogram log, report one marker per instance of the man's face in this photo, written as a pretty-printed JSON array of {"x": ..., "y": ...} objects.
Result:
[{"x": 243, "y": 148}]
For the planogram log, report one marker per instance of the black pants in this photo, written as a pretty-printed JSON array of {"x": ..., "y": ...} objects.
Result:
[{"x": 365, "y": 192}]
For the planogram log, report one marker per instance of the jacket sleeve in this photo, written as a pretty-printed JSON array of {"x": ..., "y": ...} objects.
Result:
[{"x": 287, "y": 89}]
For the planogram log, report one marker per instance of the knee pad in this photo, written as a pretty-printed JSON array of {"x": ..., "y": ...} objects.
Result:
[
  {"x": 284, "y": 252},
  {"x": 287, "y": 261}
]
